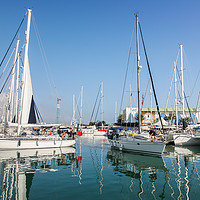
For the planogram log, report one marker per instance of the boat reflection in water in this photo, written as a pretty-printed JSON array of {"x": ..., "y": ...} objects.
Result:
[
  {"x": 175, "y": 175},
  {"x": 18, "y": 168},
  {"x": 143, "y": 171},
  {"x": 184, "y": 168}
]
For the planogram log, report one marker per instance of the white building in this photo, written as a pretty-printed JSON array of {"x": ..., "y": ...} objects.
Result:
[{"x": 131, "y": 114}]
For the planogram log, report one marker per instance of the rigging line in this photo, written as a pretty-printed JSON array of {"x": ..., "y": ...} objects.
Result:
[
  {"x": 97, "y": 110},
  {"x": 172, "y": 79},
  {"x": 145, "y": 92},
  {"x": 38, "y": 113},
  {"x": 10, "y": 72},
  {"x": 185, "y": 98},
  {"x": 195, "y": 83},
  {"x": 44, "y": 57},
  {"x": 77, "y": 105},
  {"x": 6, "y": 80},
  {"x": 186, "y": 63},
  {"x": 95, "y": 103},
  {"x": 154, "y": 92},
  {"x": 7, "y": 63},
  {"x": 13, "y": 40},
  {"x": 128, "y": 60},
  {"x": 40, "y": 47}
]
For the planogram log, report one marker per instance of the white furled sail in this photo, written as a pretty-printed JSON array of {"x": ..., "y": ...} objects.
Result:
[
  {"x": 27, "y": 102},
  {"x": 24, "y": 117}
]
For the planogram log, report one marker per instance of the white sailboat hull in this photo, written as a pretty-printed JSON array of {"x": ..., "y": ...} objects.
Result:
[
  {"x": 100, "y": 132},
  {"x": 35, "y": 153},
  {"x": 87, "y": 131},
  {"x": 187, "y": 140},
  {"x": 23, "y": 143},
  {"x": 140, "y": 146}
]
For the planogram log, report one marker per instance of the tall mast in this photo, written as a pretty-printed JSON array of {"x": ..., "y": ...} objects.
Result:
[
  {"x": 138, "y": 74},
  {"x": 197, "y": 107},
  {"x": 11, "y": 98},
  {"x": 101, "y": 101},
  {"x": 17, "y": 92},
  {"x": 176, "y": 89},
  {"x": 74, "y": 111},
  {"x": 181, "y": 47},
  {"x": 116, "y": 112},
  {"x": 26, "y": 77},
  {"x": 130, "y": 102},
  {"x": 81, "y": 113},
  {"x": 151, "y": 104}
]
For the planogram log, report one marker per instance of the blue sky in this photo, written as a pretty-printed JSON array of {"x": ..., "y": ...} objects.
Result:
[{"x": 87, "y": 42}]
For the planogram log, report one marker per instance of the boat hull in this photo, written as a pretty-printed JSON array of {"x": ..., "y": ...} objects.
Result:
[
  {"x": 6, "y": 144},
  {"x": 145, "y": 147},
  {"x": 187, "y": 140},
  {"x": 100, "y": 132}
]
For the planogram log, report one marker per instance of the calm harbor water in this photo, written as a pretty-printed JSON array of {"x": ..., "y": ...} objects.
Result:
[{"x": 93, "y": 171}]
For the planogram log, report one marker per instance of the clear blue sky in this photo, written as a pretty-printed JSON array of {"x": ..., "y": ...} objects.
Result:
[{"x": 87, "y": 41}]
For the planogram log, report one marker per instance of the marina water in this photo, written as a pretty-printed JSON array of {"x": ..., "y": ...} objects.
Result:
[{"x": 92, "y": 170}]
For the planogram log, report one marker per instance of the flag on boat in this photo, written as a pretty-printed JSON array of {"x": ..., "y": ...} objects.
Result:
[{"x": 142, "y": 99}]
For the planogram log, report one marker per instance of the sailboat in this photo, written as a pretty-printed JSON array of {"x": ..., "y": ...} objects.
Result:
[
  {"x": 183, "y": 137},
  {"x": 102, "y": 130},
  {"x": 26, "y": 111},
  {"x": 139, "y": 144}
]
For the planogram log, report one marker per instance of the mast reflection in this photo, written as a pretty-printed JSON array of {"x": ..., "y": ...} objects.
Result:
[{"x": 18, "y": 168}]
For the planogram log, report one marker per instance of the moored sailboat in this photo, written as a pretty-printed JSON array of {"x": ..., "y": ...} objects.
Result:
[
  {"x": 26, "y": 112},
  {"x": 142, "y": 144}
]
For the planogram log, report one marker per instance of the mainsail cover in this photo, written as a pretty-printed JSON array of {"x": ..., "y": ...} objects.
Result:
[{"x": 28, "y": 106}]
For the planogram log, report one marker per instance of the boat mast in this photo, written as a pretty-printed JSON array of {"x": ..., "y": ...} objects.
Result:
[
  {"x": 175, "y": 84},
  {"x": 81, "y": 113},
  {"x": 181, "y": 48},
  {"x": 17, "y": 91},
  {"x": 11, "y": 98},
  {"x": 151, "y": 105},
  {"x": 197, "y": 107},
  {"x": 116, "y": 112},
  {"x": 138, "y": 75},
  {"x": 130, "y": 102},
  {"x": 24, "y": 110},
  {"x": 102, "y": 102},
  {"x": 74, "y": 111}
]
